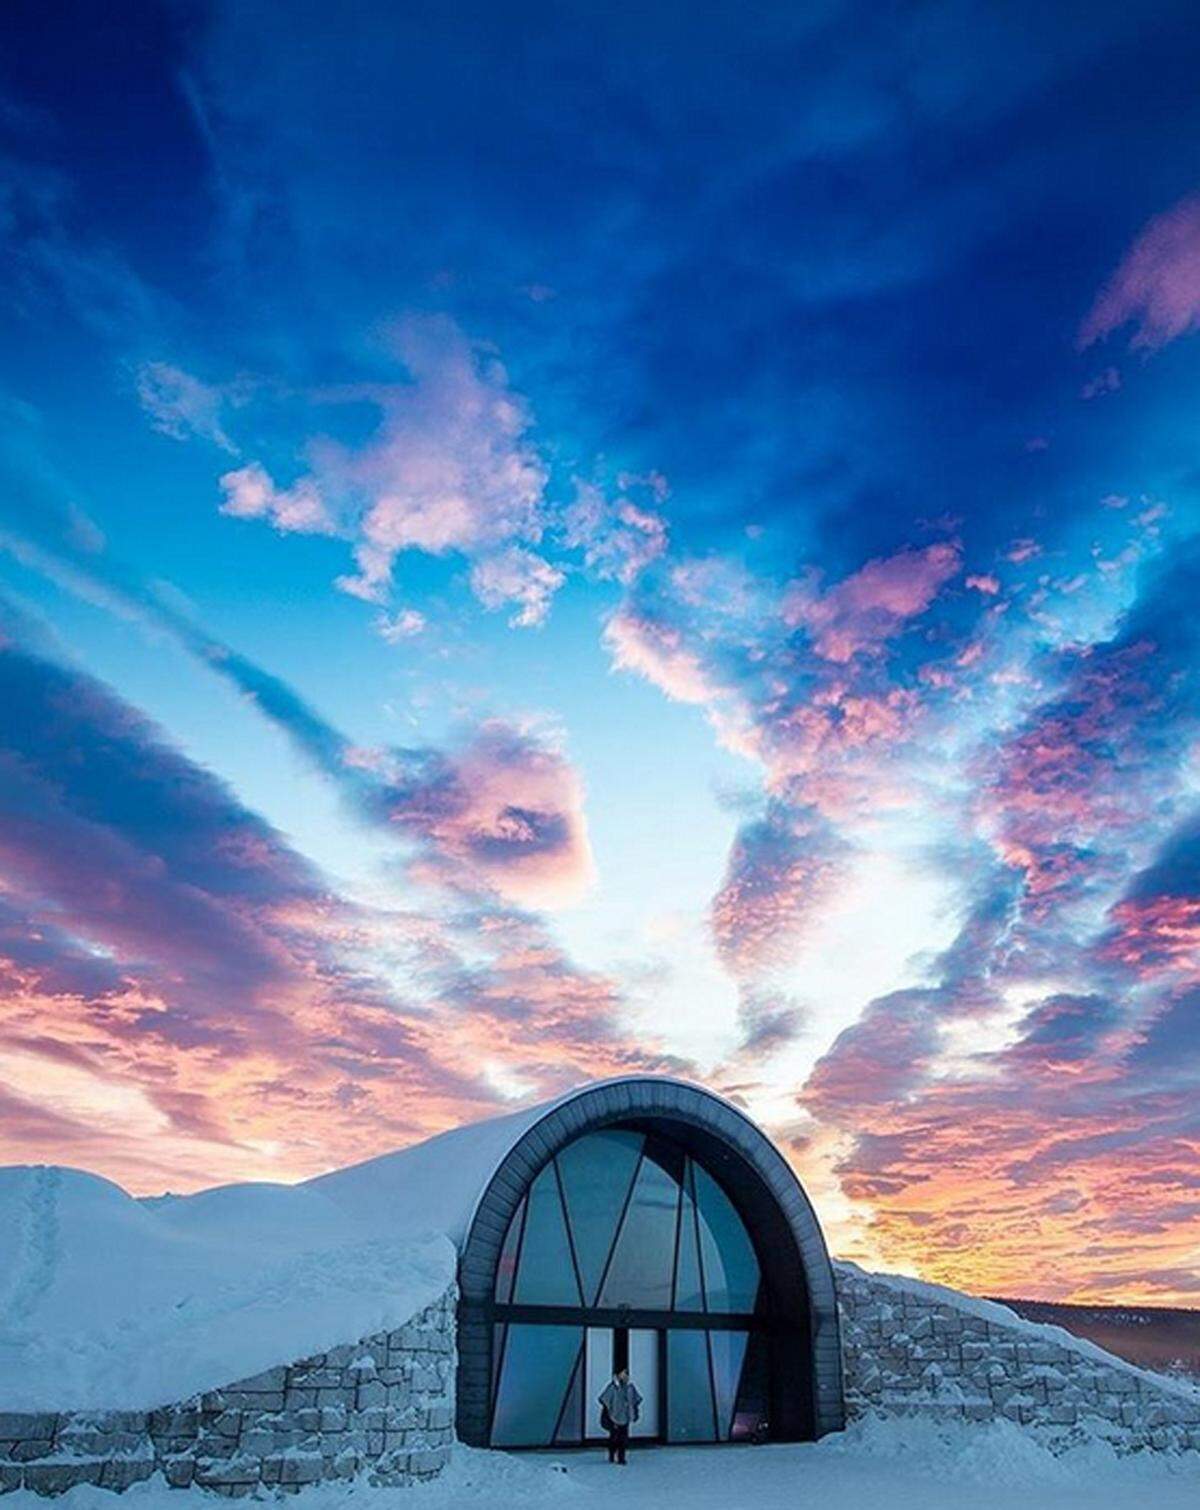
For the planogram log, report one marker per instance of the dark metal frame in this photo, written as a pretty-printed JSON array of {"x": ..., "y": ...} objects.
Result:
[{"x": 800, "y": 1309}]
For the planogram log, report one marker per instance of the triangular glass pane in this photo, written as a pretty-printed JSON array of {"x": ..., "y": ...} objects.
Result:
[
  {"x": 570, "y": 1423},
  {"x": 506, "y": 1269},
  {"x": 728, "y": 1351},
  {"x": 730, "y": 1264},
  {"x": 750, "y": 1414},
  {"x": 545, "y": 1271},
  {"x": 644, "y": 1259},
  {"x": 596, "y": 1173},
  {"x": 688, "y": 1294}
]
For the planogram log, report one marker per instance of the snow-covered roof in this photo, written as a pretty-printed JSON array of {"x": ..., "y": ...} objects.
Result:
[{"x": 436, "y": 1184}]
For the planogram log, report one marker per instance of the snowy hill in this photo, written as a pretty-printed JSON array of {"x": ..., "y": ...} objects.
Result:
[{"x": 106, "y": 1301}]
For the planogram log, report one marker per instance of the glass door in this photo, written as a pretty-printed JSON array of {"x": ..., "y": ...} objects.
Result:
[
  {"x": 643, "y": 1370},
  {"x": 598, "y": 1370}
]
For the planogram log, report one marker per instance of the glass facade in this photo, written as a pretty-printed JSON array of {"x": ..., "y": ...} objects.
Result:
[{"x": 622, "y": 1224}]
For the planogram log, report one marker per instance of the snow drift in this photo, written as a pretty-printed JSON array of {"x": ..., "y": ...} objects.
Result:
[{"x": 108, "y": 1302}]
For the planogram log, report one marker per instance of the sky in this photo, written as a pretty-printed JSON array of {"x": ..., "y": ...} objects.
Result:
[{"x": 546, "y": 542}]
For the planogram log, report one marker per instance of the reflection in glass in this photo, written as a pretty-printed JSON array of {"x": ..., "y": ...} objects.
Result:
[
  {"x": 506, "y": 1268},
  {"x": 596, "y": 1174},
  {"x": 689, "y": 1388},
  {"x": 730, "y": 1267},
  {"x": 753, "y": 1389},
  {"x": 689, "y": 1295},
  {"x": 570, "y": 1425},
  {"x": 640, "y": 1272},
  {"x": 728, "y": 1352},
  {"x": 534, "y": 1376},
  {"x": 546, "y": 1270}
]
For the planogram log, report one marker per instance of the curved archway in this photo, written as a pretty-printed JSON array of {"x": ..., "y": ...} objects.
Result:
[{"x": 796, "y": 1312}]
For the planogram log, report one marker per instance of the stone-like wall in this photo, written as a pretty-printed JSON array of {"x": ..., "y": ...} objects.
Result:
[
  {"x": 914, "y": 1349},
  {"x": 383, "y": 1405}
]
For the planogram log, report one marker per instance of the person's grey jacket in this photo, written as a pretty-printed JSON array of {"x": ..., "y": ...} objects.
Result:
[{"x": 622, "y": 1402}]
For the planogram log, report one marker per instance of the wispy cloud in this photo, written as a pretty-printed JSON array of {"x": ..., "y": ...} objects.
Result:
[
  {"x": 1156, "y": 285},
  {"x": 181, "y": 405}
]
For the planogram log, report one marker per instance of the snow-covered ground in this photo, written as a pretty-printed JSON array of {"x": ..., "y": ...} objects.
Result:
[{"x": 873, "y": 1466}]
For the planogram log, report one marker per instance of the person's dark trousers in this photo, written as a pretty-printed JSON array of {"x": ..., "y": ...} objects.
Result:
[{"x": 617, "y": 1437}]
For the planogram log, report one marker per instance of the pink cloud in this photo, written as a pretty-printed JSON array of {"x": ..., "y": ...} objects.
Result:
[
  {"x": 180, "y": 405},
  {"x": 1157, "y": 934},
  {"x": 505, "y": 808},
  {"x": 1022, "y": 550},
  {"x": 1156, "y": 285},
  {"x": 450, "y": 468},
  {"x": 619, "y": 537},
  {"x": 520, "y": 577},
  {"x": 405, "y": 624},
  {"x": 1066, "y": 793},
  {"x": 780, "y": 870},
  {"x": 251, "y": 494},
  {"x": 986, "y": 583},
  {"x": 858, "y": 614},
  {"x": 657, "y": 650}
]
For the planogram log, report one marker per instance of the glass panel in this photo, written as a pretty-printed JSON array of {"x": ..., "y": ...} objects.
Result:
[
  {"x": 506, "y": 1269},
  {"x": 640, "y": 1273},
  {"x": 570, "y": 1427},
  {"x": 538, "y": 1362},
  {"x": 688, "y": 1294},
  {"x": 730, "y": 1267},
  {"x": 599, "y": 1372},
  {"x": 751, "y": 1410},
  {"x": 643, "y": 1370},
  {"x": 546, "y": 1271},
  {"x": 728, "y": 1351},
  {"x": 596, "y": 1172},
  {"x": 689, "y": 1389}
]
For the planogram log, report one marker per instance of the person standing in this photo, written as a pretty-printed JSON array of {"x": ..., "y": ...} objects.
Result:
[{"x": 620, "y": 1406}]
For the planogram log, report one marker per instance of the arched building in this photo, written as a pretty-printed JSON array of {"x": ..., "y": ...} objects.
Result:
[
  {"x": 639, "y": 1219},
  {"x": 483, "y": 1284}
]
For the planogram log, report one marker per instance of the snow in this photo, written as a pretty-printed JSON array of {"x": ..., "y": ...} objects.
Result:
[
  {"x": 111, "y": 1303},
  {"x": 901, "y": 1465}
]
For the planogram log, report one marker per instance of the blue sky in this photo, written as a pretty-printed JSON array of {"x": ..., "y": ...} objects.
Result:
[{"x": 611, "y": 539}]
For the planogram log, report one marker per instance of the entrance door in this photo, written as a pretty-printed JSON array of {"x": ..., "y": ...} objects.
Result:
[
  {"x": 598, "y": 1370},
  {"x": 607, "y": 1349},
  {"x": 643, "y": 1370}
]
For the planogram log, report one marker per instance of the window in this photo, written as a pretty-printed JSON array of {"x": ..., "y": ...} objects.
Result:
[
  {"x": 620, "y": 1221},
  {"x": 642, "y": 1263},
  {"x": 536, "y": 1373},
  {"x": 690, "y": 1416},
  {"x": 597, "y": 1172}
]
